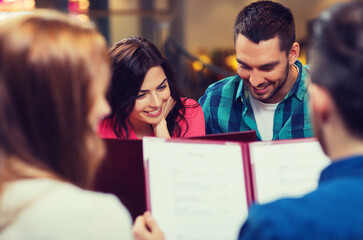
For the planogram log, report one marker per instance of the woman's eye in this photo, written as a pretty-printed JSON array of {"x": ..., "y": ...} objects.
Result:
[
  {"x": 140, "y": 96},
  {"x": 162, "y": 87}
]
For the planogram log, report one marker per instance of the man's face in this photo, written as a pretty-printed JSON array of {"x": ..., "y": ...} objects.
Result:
[{"x": 264, "y": 69}]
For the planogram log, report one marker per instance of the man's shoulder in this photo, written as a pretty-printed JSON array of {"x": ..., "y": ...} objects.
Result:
[
  {"x": 305, "y": 71},
  {"x": 269, "y": 221},
  {"x": 324, "y": 212},
  {"x": 228, "y": 83}
]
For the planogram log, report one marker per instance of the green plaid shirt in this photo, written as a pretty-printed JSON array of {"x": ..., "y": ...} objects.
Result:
[{"x": 227, "y": 108}]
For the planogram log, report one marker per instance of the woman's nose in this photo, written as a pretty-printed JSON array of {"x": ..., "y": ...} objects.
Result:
[{"x": 154, "y": 100}]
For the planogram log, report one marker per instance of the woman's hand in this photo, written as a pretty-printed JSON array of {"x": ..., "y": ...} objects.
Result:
[
  {"x": 161, "y": 129},
  {"x": 170, "y": 103},
  {"x": 146, "y": 228}
]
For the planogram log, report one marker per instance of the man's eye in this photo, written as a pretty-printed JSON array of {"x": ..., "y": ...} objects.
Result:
[{"x": 245, "y": 67}]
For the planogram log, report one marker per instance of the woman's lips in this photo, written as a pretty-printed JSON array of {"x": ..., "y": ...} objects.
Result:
[{"x": 154, "y": 113}]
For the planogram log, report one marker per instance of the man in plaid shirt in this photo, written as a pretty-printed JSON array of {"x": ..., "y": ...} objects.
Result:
[{"x": 269, "y": 94}]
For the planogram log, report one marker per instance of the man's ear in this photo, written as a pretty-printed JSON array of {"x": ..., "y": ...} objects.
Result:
[
  {"x": 294, "y": 53},
  {"x": 321, "y": 102}
]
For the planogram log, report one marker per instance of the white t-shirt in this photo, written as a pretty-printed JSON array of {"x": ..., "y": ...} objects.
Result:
[
  {"x": 53, "y": 210},
  {"x": 264, "y": 116}
]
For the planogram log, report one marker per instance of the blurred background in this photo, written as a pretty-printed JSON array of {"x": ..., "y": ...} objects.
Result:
[{"x": 195, "y": 35}]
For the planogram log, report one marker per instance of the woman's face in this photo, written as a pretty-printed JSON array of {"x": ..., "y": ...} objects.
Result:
[{"x": 151, "y": 99}]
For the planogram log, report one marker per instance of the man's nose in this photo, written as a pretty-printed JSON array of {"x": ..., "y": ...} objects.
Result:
[{"x": 256, "y": 78}]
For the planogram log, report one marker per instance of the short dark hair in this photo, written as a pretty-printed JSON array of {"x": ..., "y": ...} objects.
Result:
[
  {"x": 336, "y": 54},
  {"x": 264, "y": 20},
  {"x": 131, "y": 59}
]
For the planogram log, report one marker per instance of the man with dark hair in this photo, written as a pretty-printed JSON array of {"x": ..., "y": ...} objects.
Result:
[
  {"x": 335, "y": 209},
  {"x": 269, "y": 94}
]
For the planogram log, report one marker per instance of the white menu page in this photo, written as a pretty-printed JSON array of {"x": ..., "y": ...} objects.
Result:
[
  {"x": 287, "y": 169},
  {"x": 197, "y": 191}
]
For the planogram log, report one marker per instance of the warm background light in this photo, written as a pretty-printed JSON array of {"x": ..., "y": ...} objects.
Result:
[
  {"x": 16, "y": 5},
  {"x": 199, "y": 65},
  {"x": 78, "y": 6}
]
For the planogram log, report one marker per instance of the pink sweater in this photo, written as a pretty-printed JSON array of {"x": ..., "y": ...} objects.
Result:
[{"x": 193, "y": 115}]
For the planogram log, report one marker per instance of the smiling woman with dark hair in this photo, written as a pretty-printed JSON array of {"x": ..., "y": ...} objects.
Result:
[{"x": 144, "y": 97}]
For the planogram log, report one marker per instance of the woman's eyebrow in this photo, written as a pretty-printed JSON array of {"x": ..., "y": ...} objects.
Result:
[
  {"x": 162, "y": 82},
  {"x": 144, "y": 91}
]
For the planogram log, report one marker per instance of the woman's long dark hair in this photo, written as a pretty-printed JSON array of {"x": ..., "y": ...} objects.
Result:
[{"x": 132, "y": 58}]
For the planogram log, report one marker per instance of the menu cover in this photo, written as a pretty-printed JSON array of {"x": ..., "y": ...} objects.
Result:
[
  {"x": 122, "y": 173},
  {"x": 196, "y": 190},
  {"x": 202, "y": 189}
]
